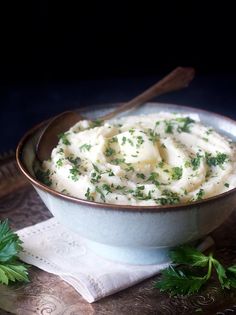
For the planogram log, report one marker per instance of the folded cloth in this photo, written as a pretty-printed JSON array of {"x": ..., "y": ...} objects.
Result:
[{"x": 55, "y": 249}]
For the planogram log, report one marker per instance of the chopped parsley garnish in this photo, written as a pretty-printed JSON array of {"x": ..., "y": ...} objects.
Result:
[
  {"x": 168, "y": 198},
  {"x": 109, "y": 151},
  {"x": 98, "y": 190},
  {"x": 195, "y": 162},
  {"x": 219, "y": 159},
  {"x": 140, "y": 175},
  {"x": 110, "y": 173},
  {"x": 226, "y": 185},
  {"x": 118, "y": 161},
  {"x": 131, "y": 131},
  {"x": 44, "y": 177},
  {"x": 130, "y": 142},
  {"x": 96, "y": 168},
  {"x": 85, "y": 147},
  {"x": 186, "y": 122},
  {"x": 140, "y": 141},
  {"x": 95, "y": 177},
  {"x": 177, "y": 173},
  {"x": 200, "y": 194},
  {"x": 59, "y": 163},
  {"x": 88, "y": 195},
  {"x": 74, "y": 161},
  {"x": 153, "y": 136},
  {"x": 107, "y": 188},
  {"x": 153, "y": 178},
  {"x": 113, "y": 140},
  {"x": 140, "y": 195},
  {"x": 74, "y": 171},
  {"x": 168, "y": 127},
  {"x": 64, "y": 139},
  {"x": 123, "y": 140}
]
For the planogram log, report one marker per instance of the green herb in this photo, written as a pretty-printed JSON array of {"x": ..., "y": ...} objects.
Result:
[
  {"x": 85, "y": 147},
  {"x": 200, "y": 194},
  {"x": 11, "y": 269},
  {"x": 153, "y": 136},
  {"x": 140, "y": 175},
  {"x": 95, "y": 177},
  {"x": 63, "y": 138},
  {"x": 177, "y": 173},
  {"x": 168, "y": 198},
  {"x": 186, "y": 280},
  {"x": 44, "y": 177},
  {"x": 113, "y": 140},
  {"x": 74, "y": 161},
  {"x": 101, "y": 193},
  {"x": 129, "y": 168},
  {"x": 209, "y": 131},
  {"x": 153, "y": 178},
  {"x": 123, "y": 140},
  {"x": 118, "y": 161},
  {"x": 110, "y": 173},
  {"x": 130, "y": 142},
  {"x": 140, "y": 195},
  {"x": 195, "y": 162},
  {"x": 88, "y": 195},
  {"x": 226, "y": 185},
  {"x": 219, "y": 159},
  {"x": 140, "y": 141},
  {"x": 107, "y": 188},
  {"x": 205, "y": 139},
  {"x": 74, "y": 171},
  {"x": 161, "y": 164},
  {"x": 59, "y": 162},
  {"x": 109, "y": 151},
  {"x": 131, "y": 131},
  {"x": 96, "y": 168},
  {"x": 168, "y": 127},
  {"x": 186, "y": 122},
  {"x": 187, "y": 164}
]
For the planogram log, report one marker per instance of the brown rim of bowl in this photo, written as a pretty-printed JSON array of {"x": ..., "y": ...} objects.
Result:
[{"x": 174, "y": 207}]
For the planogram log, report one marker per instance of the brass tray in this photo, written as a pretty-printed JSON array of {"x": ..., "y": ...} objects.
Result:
[{"x": 48, "y": 294}]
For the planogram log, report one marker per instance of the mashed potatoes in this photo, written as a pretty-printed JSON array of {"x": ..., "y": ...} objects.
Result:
[{"x": 155, "y": 159}]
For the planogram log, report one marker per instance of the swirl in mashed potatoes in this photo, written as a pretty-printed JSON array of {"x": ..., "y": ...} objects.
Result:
[{"x": 146, "y": 160}]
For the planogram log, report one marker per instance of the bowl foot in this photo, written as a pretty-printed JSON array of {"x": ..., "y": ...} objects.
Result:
[{"x": 131, "y": 255}]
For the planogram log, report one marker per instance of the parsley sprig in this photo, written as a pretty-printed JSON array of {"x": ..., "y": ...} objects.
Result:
[
  {"x": 194, "y": 271},
  {"x": 11, "y": 269}
]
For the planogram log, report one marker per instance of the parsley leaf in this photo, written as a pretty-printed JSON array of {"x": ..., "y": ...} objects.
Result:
[
  {"x": 185, "y": 279},
  {"x": 11, "y": 269},
  {"x": 219, "y": 159},
  {"x": 85, "y": 147},
  {"x": 177, "y": 173},
  {"x": 63, "y": 138}
]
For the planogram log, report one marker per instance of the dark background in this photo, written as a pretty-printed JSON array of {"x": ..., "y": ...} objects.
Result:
[{"x": 56, "y": 57}]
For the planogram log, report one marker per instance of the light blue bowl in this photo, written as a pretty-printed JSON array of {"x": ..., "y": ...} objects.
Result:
[{"x": 134, "y": 234}]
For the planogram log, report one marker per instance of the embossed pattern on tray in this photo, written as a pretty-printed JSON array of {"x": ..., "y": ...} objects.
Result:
[{"x": 48, "y": 294}]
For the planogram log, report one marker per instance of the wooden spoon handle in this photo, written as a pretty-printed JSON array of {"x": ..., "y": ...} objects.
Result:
[{"x": 177, "y": 79}]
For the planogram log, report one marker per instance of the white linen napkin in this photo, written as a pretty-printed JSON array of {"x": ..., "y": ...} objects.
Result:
[{"x": 55, "y": 249}]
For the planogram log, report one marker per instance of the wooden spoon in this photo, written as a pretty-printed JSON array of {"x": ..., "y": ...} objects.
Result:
[{"x": 175, "y": 80}]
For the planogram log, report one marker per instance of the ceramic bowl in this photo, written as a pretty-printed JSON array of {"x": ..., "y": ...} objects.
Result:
[{"x": 134, "y": 234}]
